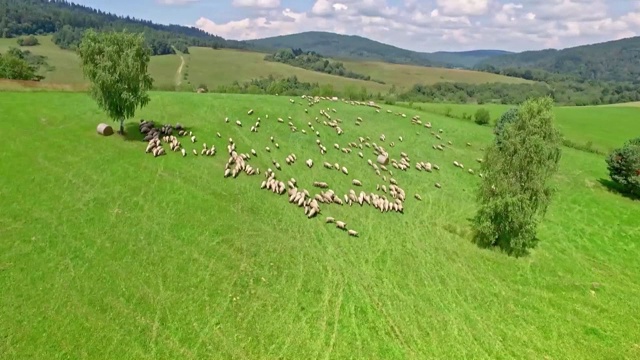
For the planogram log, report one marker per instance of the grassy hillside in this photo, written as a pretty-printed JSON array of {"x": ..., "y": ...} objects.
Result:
[
  {"x": 107, "y": 252},
  {"x": 581, "y": 125},
  {"x": 212, "y": 67},
  {"x": 359, "y": 48},
  {"x": 611, "y": 61},
  {"x": 67, "y": 68}
]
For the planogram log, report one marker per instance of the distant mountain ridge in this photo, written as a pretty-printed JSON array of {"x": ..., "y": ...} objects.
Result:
[
  {"x": 617, "y": 60},
  {"x": 360, "y": 48}
]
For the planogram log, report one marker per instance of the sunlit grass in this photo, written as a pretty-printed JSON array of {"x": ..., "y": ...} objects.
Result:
[{"x": 107, "y": 252}]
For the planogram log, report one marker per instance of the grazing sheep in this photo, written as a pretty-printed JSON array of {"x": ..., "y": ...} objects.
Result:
[
  {"x": 356, "y": 182},
  {"x": 253, "y": 152},
  {"x": 250, "y": 112},
  {"x": 309, "y": 163},
  {"x": 277, "y": 146},
  {"x": 438, "y": 185},
  {"x": 195, "y": 152},
  {"x": 345, "y": 171},
  {"x": 352, "y": 233},
  {"x": 184, "y": 152},
  {"x": 193, "y": 138},
  {"x": 341, "y": 225},
  {"x": 267, "y": 148},
  {"x": 418, "y": 197},
  {"x": 238, "y": 123}
]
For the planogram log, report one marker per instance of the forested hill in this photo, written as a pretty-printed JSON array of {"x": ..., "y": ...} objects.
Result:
[
  {"x": 609, "y": 61},
  {"x": 35, "y": 17},
  {"x": 360, "y": 48}
]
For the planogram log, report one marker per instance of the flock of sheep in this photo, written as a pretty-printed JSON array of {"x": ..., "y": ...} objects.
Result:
[{"x": 390, "y": 196}]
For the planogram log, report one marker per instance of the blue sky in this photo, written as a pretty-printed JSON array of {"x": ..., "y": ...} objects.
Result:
[{"x": 422, "y": 25}]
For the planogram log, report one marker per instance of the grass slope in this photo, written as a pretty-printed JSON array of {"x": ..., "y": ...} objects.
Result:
[
  {"x": 606, "y": 127},
  {"x": 212, "y": 67},
  {"x": 67, "y": 68},
  {"x": 107, "y": 252}
]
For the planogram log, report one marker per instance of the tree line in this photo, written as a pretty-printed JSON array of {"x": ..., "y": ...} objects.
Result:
[
  {"x": 313, "y": 61},
  {"x": 68, "y": 21}
]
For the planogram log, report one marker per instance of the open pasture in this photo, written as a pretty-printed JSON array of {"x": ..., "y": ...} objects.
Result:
[
  {"x": 606, "y": 127},
  {"x": 108, "y": 252},
  {"x": 66, "y": 71}
]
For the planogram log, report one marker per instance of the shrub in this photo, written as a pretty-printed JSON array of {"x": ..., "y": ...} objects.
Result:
[
  {"x": 28, "y": 41},
  {"x": 482, "y": 117},
  {"x": 204, "y": 87},
  {"x": 624, "y": 166},
  {"x": 514, "y": 194}
]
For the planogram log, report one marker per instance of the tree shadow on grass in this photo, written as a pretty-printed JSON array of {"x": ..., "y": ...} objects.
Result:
[
  {"x": 615, "y": 188},
  {"x": 131, "y": 131}
]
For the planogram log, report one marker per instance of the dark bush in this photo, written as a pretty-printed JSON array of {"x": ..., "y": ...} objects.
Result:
[
  {"x": 624, "y": 166},
  {"x": 482, "y": 117},
  {"x": 508, "y": 117},
  {"x": 28, "y": 41}
]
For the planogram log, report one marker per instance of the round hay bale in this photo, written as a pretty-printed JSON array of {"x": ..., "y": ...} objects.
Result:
[
  {"x": 383, "y": 159},
  {"x": 105, "y": 130}
]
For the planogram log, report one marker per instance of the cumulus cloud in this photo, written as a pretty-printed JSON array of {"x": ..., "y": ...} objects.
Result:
[
  {"x": 261, "y": 4},
  {"x": 442, "y": 24}
]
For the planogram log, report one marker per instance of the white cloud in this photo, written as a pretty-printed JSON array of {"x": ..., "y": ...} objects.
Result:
[
  {"x": 463, "y": 7},
  {"x": 262, "y": 4},
  {"x": 442, "y": 24}
]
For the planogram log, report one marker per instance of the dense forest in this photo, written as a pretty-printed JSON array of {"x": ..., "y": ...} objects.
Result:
[
  {"x": 617, "y": 61},
  {"x": 313, "y": 61},
  {"x": 360, "y": 48},
  {"x": 68, "y": 20}
]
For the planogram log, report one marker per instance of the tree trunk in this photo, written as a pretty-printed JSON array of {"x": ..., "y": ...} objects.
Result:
[{"x": 121, "y": 126}]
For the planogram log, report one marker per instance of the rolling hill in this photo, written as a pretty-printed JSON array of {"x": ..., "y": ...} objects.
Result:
[
  {"x": 359, "y": 48},
  {"x": 617, "y": 60},
  {"x": 211, "y": 67}
]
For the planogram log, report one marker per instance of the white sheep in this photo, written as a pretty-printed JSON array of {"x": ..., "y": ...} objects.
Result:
[
  {"x": 309, "y": 163},
  {"x": 184, "y": 152},
  {"x": 352, "y": 233}
]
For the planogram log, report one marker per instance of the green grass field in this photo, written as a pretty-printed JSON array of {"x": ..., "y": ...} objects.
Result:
[
  {"x": 108, "y": 252},
  {"x": 211, "y": 67},
  {"x": 67, "y": 68},
  {"x": 606, "y": 127}
]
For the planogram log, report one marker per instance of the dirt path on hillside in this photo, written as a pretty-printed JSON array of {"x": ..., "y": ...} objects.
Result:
[{"x": 179, "y": 72}]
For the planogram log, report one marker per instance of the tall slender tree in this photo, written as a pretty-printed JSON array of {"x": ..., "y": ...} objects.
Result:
[
  {"x": 116, "y": 64},
  {"x": 515, "y": 191}
]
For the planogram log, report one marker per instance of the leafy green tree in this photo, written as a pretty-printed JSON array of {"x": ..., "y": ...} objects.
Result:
[
  {"x": 482, "y": 116},
  {"x": 514, "y": 194},
  {"x": 116, "y": 64},
  {"x": 624, "y": 166},
  {"x": 14, "y": 66}
]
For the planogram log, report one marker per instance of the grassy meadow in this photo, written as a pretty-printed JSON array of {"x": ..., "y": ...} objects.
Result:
[
  {"x": 606, "y": 127},
  {"x": 211, "y": 67},
  {"x": 67, "y": 70},
  {"x": 108, "y": 252}
]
